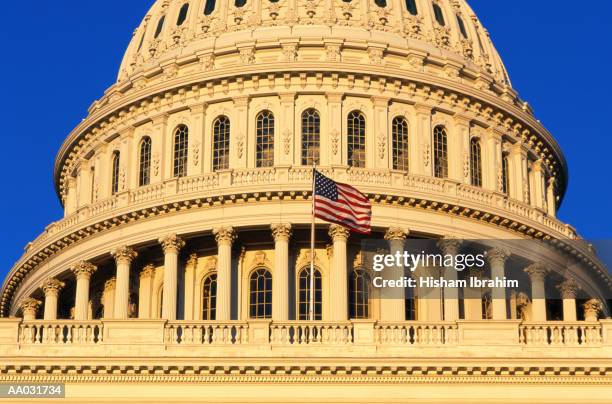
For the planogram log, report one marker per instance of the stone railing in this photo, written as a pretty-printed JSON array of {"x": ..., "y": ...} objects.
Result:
[
  {"x": 208, "y": 332},
  {"x": 415, "y": 333},
  {"x": 60, "y": 332},
  {"x": 386, "y": 182},
  {"x": 561, "y": 334},
  {"x": 16, "y": 334}
]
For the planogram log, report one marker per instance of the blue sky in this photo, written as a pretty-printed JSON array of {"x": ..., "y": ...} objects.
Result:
[{"x": 59, "y": 56}]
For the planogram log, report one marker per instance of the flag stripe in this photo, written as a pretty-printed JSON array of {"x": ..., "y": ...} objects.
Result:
[{"x": 341, "y": 204}]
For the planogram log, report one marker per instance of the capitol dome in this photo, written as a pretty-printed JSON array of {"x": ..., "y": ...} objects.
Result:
[{"x": 187, "y": 188}]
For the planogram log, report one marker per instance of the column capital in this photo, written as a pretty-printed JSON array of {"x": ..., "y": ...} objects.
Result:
[
  {"x": 338, "y": 233},
  {"x": 83, "y": 270},
  {"x": 593, "y": 306},
  {"x": 171, "y": 243},
  {"x": 52, "y": 286},
  {"x": 29, "y": 304},
  {"x": 396, "y": 234},
  {"x": 281, "y": 231},
  {"x": 536, "y": 271},
  {"x": 124, "y": 254},
  {"x": 497, "y": 255},
  {"x": 224, "y": 235},
  {"x": 147, "y": 270},
  {"x": 192, "y": 260},
  {"x": 449, "y": 245},
  {"x": 568, "y": 288},
  {"x": 110, "y": 284}
]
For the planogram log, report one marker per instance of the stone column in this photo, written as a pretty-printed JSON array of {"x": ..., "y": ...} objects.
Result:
[
  {"x": 550, "y": 197},
  {"x": 108, "y": 297},
  {"x": 497, "y": 259},
  {"x": 190, "y": 270},
  {"x": 568, "y": 289},
  {"x": 537, "y": 274},
  {"x": 450, "y": 246},
  {"x": 83, "y": 271},
  {"x": 123, "y": 256},
  {"x": 145, "y": 290},
  {"x": 392, "y": 302},
  {"x": 519, "y": 187},
  {"x": 592, "y": 308},
  {"x": 51, "y": 287},
  {"x": 225, "y": 236},
  {"x": 171, "y": 245},
  {"x": 538, "y": 184},
  {"x": 421, "y": 148},
  {"x": 339, "y": 273},
  {"x": 280, "y": 282},
  {"x": 29, "y": 307}
]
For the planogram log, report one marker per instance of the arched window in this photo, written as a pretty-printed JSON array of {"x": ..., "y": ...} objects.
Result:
[
  {"x": 209, "y": 7},
  {"x": 260, "y": 301},
  {"x": 239, "y": 3},
  {"x": 381, "y": 3},
  {"x": 359, "y": 294},
  {"x": 311, "y": 137},
  {"x": 440, "y": 152},
  {"x": 209, "y": 298},
  {"x": 160, "y": 26},
  {"x": 144, "y": 163},
  {"x": 115, "y": 173},
  {"x": 356, "y": 132},
  {"x": 182, "y": 14},
  {"x": 438, "y": 14},
  {"x": 475, "y": 162},
  {"x": 221, "y": 143},
  {"x": 181, "y": 148},
  {"x": 265, "y": 139},
  {"x": 412, "y": 7},
  {"x": 462, "y": 26},
  {"x": 304, "y": 295},
  {"x": 505, "y": 174},
  {"x": 400, "y": 143}
]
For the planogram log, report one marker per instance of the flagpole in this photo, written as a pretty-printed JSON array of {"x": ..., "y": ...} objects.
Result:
[{"x": 312, "y": 248}]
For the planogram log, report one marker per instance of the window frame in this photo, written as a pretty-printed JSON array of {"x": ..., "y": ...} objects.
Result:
[
  {"x": 356, "y": 132},
  {"x": 222, "y": 128}
]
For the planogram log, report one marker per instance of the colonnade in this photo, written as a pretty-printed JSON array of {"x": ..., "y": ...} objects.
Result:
[{"x": 117, "y": 293}]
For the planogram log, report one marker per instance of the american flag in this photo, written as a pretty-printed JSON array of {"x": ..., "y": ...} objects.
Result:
[{"x": 341, "y": 204}]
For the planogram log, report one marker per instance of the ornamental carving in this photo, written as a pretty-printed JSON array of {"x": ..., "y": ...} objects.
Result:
[
  {"x": 287, "y": 141},
  {"x": 382, "y": 145},
  {"x": 171, "y": 243},
  {"x": 291, "y": 52},
  {"x": 466, "y": 165},
  {"x": 155, "y": 164},
  {"x": 568, "y": 288},
  {"x": 497, "y": 256},
  {"x": 192, "y": 261},
  {"x": 30, "y": 305},
  {"x": 83, "y": 269},
  {"x": 247, "y": 56},
  {"x": 536, "y": 271},
  {"x": 147, "y": 271},
  {"x": 592, "y": 309},
  {"x": 303, "y": 258},
  {"x": 110, "y": 284},
  {"x": 332, "y": 52},
  {"x": 224, "y": 235},
  {"x": 376, "y": 55},
  {"x": 124, "y": 255},
  {"x": 449, "y": 245},
  {"x": 196, "y": 153},
  {"x": 426, "y": 154},
  {"x": 335, "y": 141},
  {"x": 210, "y": 264},
  {"x": 338, "y": 233},
  {"x": 240, "y": 145},
  {"x": 207, "y": 62},
  {"x": 52, "y": 286},
  {"x": 281, "y": 232},
  {"x": 396, "y": 234}
]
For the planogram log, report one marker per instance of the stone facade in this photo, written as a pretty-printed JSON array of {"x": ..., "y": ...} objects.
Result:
[{"x": 187, "y": 190}]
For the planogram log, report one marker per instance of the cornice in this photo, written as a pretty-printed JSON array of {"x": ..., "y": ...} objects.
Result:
[{"x": 39, "y": 254}]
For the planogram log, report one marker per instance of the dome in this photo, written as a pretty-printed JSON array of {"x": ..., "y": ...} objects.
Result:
[{"x": 441, "y": 29}]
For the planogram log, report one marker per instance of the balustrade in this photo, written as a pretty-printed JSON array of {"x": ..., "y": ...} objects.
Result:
[
  {"x": 415, "y": 333},
  {"x": 60, "y": 332},
  {"x": 560, "y": 334},
  {"x": 206, "y": 333},
  {"x": 300, "y": 333}
]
